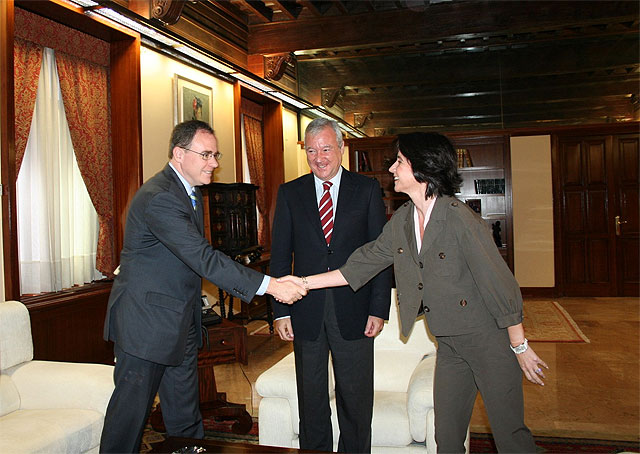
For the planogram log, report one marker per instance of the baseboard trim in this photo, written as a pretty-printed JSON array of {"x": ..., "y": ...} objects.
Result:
[{"x": 539, "y": 292}]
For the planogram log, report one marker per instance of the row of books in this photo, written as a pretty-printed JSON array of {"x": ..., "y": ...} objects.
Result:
[{"x": 464, "y": 158}]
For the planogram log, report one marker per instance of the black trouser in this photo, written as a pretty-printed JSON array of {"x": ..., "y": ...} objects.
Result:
[
  {"x": 353, "y": 370},
  {"x": 137, "y": 382}
]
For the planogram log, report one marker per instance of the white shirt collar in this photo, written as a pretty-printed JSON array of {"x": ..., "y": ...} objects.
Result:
[
  {"x": 335, "y": 188},
  {"x": 186, "y": 185},
  {"x": 416, "y": 227}
]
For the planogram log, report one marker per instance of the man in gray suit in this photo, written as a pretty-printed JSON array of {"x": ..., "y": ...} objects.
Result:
[{"x": 153, "y": 315}]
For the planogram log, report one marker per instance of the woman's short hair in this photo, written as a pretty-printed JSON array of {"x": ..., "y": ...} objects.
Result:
[
  {"x": 433, "y": 160},
  {"x": 183, "y": 133}
]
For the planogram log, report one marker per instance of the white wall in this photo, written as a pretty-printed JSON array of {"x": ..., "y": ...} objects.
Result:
[
  {"x": 532, "y": 211},
  {"x": 157, "y": 73}
]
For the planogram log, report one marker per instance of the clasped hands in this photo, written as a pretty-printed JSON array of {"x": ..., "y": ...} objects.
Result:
[{"x": 288, "y": 289}]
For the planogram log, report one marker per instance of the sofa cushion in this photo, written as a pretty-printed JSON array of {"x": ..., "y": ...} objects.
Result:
[
  {"x": 393, "y": 369},
  {"x": 390, "y": 425},
  {"x": 9, "y": 397},
  {"x": 48, "y": 431},
  {"x": 15, "y": 334},
  {"x": 280, "y": 380}
]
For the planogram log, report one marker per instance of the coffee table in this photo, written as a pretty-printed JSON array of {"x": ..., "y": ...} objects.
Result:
[{"x": 222, "y": 447}]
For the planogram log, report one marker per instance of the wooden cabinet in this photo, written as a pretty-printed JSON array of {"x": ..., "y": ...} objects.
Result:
[
  {"x": 230, "y": 217},
  {"x": 485, "y": 167},
  {"x": 227, "y": 343}
]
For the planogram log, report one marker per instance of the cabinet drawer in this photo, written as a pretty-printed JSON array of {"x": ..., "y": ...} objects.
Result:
[{"x": 221, "y": 340}]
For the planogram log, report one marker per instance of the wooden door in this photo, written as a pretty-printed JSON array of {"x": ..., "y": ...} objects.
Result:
[
  {"x": 597, "y": 199},
  {"x": 626, "y": 177}
]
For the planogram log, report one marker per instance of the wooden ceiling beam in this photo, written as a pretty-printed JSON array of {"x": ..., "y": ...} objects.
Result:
[
  {"x": 483, "y": 104},
  {"x": 341, "y": 6},
  {"x": 258, "y": 8},
  {"x": 464, "y": 19},
  {"x": 554, "y": 61},
  {"x": 478, "y": 44},
  {"x": 317, "y": 7},
  {"x": 289, "y": 8}
]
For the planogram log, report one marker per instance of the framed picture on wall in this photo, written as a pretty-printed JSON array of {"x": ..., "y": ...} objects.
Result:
[{"x": 193, "y": 101}]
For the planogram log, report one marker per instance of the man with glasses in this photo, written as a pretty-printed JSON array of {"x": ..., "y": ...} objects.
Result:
[{"x": 153, "y": 314}]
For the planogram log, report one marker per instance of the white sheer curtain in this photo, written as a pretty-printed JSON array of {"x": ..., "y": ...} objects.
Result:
[{"x": 57, "y": 223}]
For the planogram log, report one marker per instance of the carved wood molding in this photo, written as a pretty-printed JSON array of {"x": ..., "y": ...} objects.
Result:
[
  {"x": 167, "y": 11},
  {"x": 330, "y": 96},
  {"x": 276, "y": 65},
  {"x": 359, "y": 119},
  {"x": 379, "y": 132}
]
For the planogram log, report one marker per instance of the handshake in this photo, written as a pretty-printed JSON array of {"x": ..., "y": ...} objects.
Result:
[{"x": 287, "y": 289}]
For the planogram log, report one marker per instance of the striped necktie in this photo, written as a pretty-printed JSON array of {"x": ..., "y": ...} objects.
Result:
[
  {"x": 326, "y": 212},
  {"x": 194, "y": 199}
]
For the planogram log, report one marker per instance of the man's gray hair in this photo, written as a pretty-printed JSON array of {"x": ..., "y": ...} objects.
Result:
[{"x": 319, "y": 124}]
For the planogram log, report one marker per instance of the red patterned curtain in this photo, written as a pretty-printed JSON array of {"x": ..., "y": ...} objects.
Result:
[
  {"x": 255, "y": 161},
  {"x": 27, "y": 61},
  {"x": 85, "y": 93}
]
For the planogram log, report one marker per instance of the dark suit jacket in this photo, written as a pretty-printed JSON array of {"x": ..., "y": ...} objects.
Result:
[
  {"x": 298, "y": 239},
  {"x": 156, "y": 296},
  {"x": 458, "y": 275}
]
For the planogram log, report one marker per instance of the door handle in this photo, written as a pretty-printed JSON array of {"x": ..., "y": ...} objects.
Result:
[{"x": 618, "y": 224}]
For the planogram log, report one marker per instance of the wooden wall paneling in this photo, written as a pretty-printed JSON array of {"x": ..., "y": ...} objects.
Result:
[
  {"x": 126, "y": 131},
  {"x": 7, "y": 153},
  {"x": 70, "y": 329},
  {"x": 237, "y": 122},
  {"x": 273, "y": 145}
]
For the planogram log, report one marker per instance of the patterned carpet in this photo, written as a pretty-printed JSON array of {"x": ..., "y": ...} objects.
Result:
[
  {"x": 480, "y": 443},
  {"x": 547, "y": 321}
]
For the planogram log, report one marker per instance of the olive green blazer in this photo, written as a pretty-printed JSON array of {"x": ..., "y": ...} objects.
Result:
[{"x": 458, "y": 276}]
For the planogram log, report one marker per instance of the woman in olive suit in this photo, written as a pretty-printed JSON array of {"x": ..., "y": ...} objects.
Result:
[{"x": 447, "y": 265}]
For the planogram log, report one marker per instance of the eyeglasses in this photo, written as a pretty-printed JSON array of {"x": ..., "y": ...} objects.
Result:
[{"x": 206, "y": 155}]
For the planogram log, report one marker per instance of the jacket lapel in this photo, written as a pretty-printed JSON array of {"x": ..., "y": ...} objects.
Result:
[
  {"x": 345, "y": 201},
  {"x": 410, "y": 233},
  {"x": 435, "y": 224},
  {"x": 197, "y": 216},
  {"x": 199, "y": 211}
]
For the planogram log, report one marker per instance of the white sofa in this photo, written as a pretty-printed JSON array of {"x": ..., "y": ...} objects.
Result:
[
  {"x": 46, "y": 406},
  {"x": 403, "y": 416}
]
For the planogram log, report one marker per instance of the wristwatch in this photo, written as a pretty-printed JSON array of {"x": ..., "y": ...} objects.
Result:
[{"x": 520, "y": 349}]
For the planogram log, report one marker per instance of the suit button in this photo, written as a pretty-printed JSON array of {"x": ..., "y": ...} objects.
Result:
[
  {"x": 420, "y": 286},
  {"x": 442, "y": 255},
  {"x": 400, "y": 250},
  {"x": 463, "y": 303},
  {"x": 421, "y": 265},
  {"x": 426, "y": 308},
  {"x": 454, "y": 204},
  {"x": 329, "y": 251}
]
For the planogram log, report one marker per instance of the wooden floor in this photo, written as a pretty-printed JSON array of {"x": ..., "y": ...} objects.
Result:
[{"x": 592, "y": 390}]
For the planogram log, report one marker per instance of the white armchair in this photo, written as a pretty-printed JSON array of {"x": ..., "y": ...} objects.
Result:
[
  {"x": 47, "y": 406},
  {"x": 403, "y": 416}
]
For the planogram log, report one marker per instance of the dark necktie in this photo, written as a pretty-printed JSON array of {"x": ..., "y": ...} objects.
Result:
[{"x": 326, "y": 212}]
